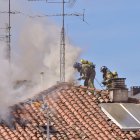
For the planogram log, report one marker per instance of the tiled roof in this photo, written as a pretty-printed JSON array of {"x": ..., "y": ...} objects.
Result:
[{"x": 75, "y": 114}]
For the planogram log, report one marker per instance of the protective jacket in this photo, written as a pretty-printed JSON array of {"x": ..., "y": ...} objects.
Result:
[
  {"x": 88, "y": 74},
  {"x": 107, "y": 76}
]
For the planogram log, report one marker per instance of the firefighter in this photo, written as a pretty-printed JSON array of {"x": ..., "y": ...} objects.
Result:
[
  {"x": 87, "y": 73},
  {"x": 107, "y": 76}
]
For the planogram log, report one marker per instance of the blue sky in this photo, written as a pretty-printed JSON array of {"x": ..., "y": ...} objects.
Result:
[{"x": 111, "y": 37}]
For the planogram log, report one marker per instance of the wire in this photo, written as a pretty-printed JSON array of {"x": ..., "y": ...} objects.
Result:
[
  {"x": 99, "y": 83},
  {"x": 42, "y": 16},
  {"x": 3, "y": 28},
  {"x": 3, "y": 12},
  {"x": 49, "y": 1},
  {"x": 13, "y": 12}
]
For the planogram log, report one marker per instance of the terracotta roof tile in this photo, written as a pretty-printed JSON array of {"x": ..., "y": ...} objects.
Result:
[{"x": 75, "y": 115}]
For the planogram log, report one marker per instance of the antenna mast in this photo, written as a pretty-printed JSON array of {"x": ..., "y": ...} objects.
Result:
[
  {"x": 62, "y": 41},
  {"x": 62, "y": 46},
  {"x": 9, "y": 28}
]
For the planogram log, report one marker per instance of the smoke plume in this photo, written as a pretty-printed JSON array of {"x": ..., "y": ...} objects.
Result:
[{"x": 34, "y": 64}]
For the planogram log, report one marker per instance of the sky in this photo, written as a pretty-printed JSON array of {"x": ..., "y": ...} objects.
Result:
[{"x": 109, "y": 37}]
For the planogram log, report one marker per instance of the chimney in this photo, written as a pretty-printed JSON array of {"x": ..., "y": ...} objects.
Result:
[
  {"x": 135, "y": 90},
  {"x": 118, "y": 91}
]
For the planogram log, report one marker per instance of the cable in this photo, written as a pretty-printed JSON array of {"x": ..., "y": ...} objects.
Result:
[
  {"x": 13, "y": 12},
  {"x": 99, "y": 83},
  {"x": 3, "y": 28}
]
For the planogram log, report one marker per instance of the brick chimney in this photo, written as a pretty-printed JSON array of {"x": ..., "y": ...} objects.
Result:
[
  {"x": 134, "y": 90},
  {"x": 118, "y": 91}
]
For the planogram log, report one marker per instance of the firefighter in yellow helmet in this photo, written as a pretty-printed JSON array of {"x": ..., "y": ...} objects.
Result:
[
  {"x": 87, "y": 72},
  {"x": 107, "y": 76}
]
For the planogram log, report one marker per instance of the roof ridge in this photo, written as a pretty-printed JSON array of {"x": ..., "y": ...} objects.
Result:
[{"x": 92, "y": 89}]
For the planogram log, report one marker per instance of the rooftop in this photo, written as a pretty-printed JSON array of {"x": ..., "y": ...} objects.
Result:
[{"x": 75, "y": 114}]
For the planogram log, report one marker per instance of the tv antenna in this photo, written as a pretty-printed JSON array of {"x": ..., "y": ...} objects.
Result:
[
  {"x": 8, "y": 27},
  {"x": 62, "y": 41}
]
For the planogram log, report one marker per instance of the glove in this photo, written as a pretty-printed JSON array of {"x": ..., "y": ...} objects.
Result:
[
  {"x": 79, "y": 79},
  {"x": 104, "y": 83}
]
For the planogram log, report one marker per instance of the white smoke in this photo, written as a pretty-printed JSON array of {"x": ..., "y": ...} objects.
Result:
[{"x": 37, "y": 50}]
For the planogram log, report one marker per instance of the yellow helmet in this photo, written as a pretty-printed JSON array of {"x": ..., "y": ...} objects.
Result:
[
  {"x": 84, "y": 61},
  {"x": 115, "y": 74}
]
